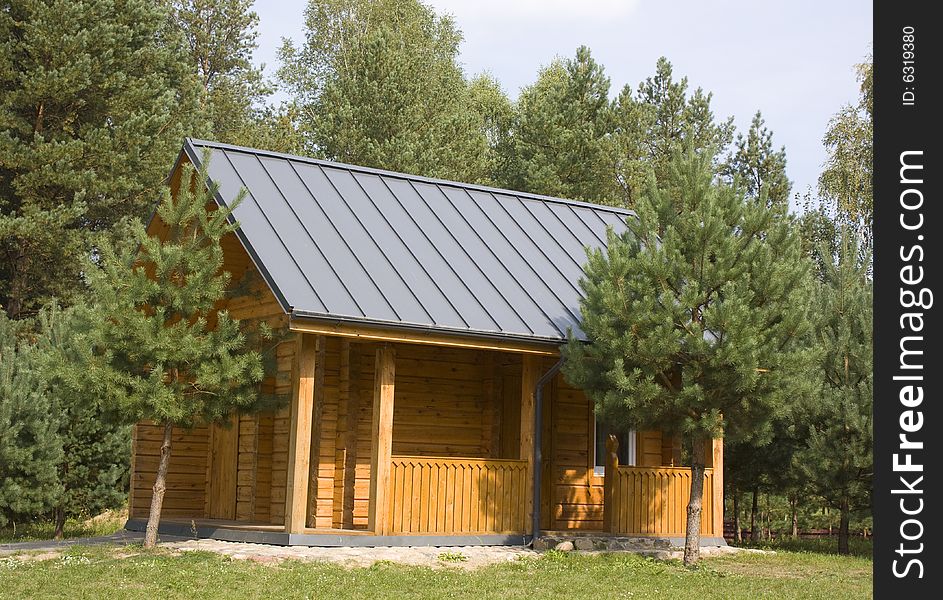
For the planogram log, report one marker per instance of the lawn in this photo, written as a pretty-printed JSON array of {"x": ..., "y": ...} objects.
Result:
[
  {"x": 109, "y": 572},
  {"x": 104, "y": 524},
  {"x": 857, "y": 545}
]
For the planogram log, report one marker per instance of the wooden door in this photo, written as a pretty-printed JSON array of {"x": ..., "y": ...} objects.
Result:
[{"x": 221, "y": 470}]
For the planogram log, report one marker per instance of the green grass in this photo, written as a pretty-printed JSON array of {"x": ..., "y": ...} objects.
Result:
[
  {"x": 104, "y": 524},
  {"x": 452, "y": 557},
  {"x": 99, "y": 572},
  {"x": 857, "y": 546}
]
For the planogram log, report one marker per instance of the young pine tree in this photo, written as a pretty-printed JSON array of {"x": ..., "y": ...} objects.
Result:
[
  {"x": 693, "y": 309},
  {"x": 164, "y": 353},
  {"x": 837, "y": 458},
  {"x": 30, "y": 448}
]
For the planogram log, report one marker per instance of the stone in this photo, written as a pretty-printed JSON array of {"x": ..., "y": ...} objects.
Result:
[
  {"x": 564, "y": 546},
  {"x": 545, "y": 543},
  {"x": 585, "y": 544}
]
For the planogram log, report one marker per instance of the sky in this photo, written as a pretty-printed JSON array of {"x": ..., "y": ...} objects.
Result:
[{"x": 792, "y": 60}]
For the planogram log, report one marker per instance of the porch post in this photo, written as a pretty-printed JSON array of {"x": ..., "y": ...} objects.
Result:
[
  {"x": 717, "y": 494},
  {"x": 314, "y": 466},
  {"x": 299, "y": 439},
  {"x": 529, "y": 376},
  {"x": 382, "y": 435},
  {"x": 610, "y": 500}
]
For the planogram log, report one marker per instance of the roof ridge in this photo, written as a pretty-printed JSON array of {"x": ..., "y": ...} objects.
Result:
[{"x": 410, "y": 177}]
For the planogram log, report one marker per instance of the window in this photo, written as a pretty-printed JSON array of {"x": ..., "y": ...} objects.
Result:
[{"x": 626, "y": 447}]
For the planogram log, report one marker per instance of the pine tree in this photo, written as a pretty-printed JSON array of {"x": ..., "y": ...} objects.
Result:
[
  {"x": 221, "y": 36},
  {"x": 30, "y": 448},
  {"x": 759, "y": 168},
  {"x": 95, "y": 97},
  {"x": 561, "y": 138},
  {"x": 659, "y": 119},
  {"x": 163, "y": 351},
  {"x": 837, "y": 422},
  {"x": 695, "y": 307},
  {"x": 378, "y": 84},
  {"x": 93, "y": 472}
]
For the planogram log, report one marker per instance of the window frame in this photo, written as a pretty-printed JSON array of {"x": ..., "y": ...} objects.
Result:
[{"x": 632, "y": 437}]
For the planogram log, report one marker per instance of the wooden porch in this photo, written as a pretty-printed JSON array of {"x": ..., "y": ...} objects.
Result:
[{"x": 397, "y": 443}]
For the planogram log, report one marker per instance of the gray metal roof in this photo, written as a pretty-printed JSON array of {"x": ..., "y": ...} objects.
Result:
[{"x": 343, "y": 243}]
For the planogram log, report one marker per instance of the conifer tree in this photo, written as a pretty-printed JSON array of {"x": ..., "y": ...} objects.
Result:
[
  {"x": 220, "y": 37},
  {"x": 95, "y": 97},
  {"x": 30, "y": 448},
  {"x": 562, "y": 144},
  {"x": 697, "y": 306},
  {"x": 662, "y": 117},
  {"x": 93, "y": 472},
  {"x": 164, "y": 353},
  {"x": 836, "y": 458},
  {"x": 758, "y": 167}
]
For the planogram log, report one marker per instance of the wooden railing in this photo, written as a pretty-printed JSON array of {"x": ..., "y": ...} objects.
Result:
[
  {"x": 457, "y": 495},
  {"x": 653, "y": 500}
]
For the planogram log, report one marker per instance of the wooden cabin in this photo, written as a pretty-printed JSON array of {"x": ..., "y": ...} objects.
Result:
[{"x": 422, "y": 321}]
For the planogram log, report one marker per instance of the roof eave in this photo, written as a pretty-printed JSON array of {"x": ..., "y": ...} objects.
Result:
[{"x": 375, "y": 330}]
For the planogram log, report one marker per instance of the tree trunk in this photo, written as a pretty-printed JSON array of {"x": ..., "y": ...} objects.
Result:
[
  {"x": 769, "y": 519},
  {"x": 60, "y": 522},
  {"x": 160, "y": 486},
  {"x": 843, "y": 528},
  {"x": 737, "y": 534},
  {"x": 754, "y": 509},
  {"x": 794, "y": 505},
  {"x": 692, "y": 533}
]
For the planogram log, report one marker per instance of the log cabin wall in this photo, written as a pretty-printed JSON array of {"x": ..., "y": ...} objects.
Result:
[
  {"x": 200, "y": 483},
  {"x": 186, "y": 479},
  {"x": 449, "y": 402}
]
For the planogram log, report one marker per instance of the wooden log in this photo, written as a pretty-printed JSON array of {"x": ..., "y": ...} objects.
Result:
[
  {"x": 317, "y": 426},
  {"x": 717, "y": 491},
  {"x": 388, "y": 335},
  {"x": 350, "y": 436},
  {"x": 382, "y": 435},
  {"x": 299, "y": 445},
  {"x": 134, "y": 452},
  {"x": 530, "y": 373}
]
